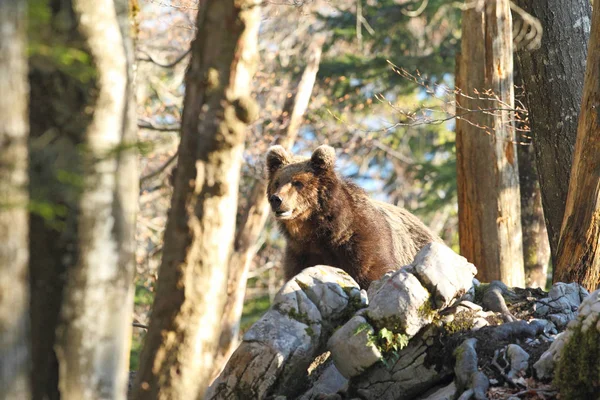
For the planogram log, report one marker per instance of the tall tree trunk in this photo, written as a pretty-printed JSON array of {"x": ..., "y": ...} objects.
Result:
[
  {"x": 553, "y": 81},
  {"x": 58, "y": 117},
  {"x": 255, "y": 216},
  {"x": 15, "y": 355},
  {"x": 536, "y": 249},
  {"x": 176, "y": 361},
  {"x": 487, "y": 170},
  {"x": 95, "y": 323},
  {"x": 82, "y": 165},
  {"x": 578, "y": 257}
]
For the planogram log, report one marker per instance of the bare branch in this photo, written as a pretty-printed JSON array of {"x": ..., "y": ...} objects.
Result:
[
  {"x": 169, "y": 65},
  {"x": 417, "y": 12},
  {"x": 158, "y": 171},
  {"x": 143, "y": 124}
]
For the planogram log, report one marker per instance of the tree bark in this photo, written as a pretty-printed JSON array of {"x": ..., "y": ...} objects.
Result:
[
  {"x": 553, "y": 82},
  {"x": 536, "y": 249},
  {"x": 578, "y": 256},
  {"x": 15, "y": 354},
  {"x": 177, "y": 357},
  {"x": 94, "y": 331},
  {"x": 58, "y": 117},
  {"x": 255, "y": 216},
  {"x": 487, "y": 170}
]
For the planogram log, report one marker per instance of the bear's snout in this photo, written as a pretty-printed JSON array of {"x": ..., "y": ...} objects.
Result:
[{"x": 275, "y": 202}]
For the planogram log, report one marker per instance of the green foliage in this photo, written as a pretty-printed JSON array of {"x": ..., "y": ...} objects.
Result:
[
  {"x": 386, "y": 341},
  {"x": 578, "y": 372}
]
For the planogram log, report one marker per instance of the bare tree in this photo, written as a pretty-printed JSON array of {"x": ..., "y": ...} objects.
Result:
[
  {"x": 177, "y": 357},
  {"x": 487, "y": 176},
  {"x": 552, "y": 77},
  {"x": 14, "y": 287},
  {"x": 254, "y": 217},
  {"x": 578, "y": 256}
]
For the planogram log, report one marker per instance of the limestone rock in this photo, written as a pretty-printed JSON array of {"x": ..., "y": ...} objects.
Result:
[
  {"x": 352, "y": 349},
  {"x": 519, "y": 360},
  {"x": 444, "y": 273},
  {"x": 401, "y": 304},
  {"x": 277, "y": 350},
  {"x": 562, "y": 303}
]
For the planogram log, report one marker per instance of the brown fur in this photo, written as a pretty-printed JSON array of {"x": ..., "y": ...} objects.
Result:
[{"x": 333, "y": 222}]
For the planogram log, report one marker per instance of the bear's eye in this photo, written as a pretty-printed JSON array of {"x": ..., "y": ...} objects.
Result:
[{"x": 297, "y": 184}]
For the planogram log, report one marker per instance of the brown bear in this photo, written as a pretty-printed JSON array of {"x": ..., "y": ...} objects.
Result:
[{"x": 331, "y": 221}]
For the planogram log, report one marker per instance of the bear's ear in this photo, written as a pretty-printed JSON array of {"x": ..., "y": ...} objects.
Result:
[
  {"x": 277, "y": 157},
  {"x": 323, "y": 158}
]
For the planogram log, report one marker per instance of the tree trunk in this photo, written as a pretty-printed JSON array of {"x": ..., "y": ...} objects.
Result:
[
  {"x": 177, "y": 357},
  {"x": 553, "y": 82},
  {"x": 58, "y": 119},
  {"x": 536, "y": 249},
  {"x": 14, "y": 256},
  {"x": 254, "y": 218},
  {"x": 83, "y": 203},
  {"x": 487, "y": 170},
  {"x": 578, "y": 257}
]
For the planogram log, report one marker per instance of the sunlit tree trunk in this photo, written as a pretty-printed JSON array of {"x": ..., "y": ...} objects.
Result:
[
  {"x": 15, "y": 355},
  {"x": 578, "y": 256},
  {"x": 552, "y": 77},
  {"x": 488, "y": 177},
  {"x": 84, "y": 198},
  {"x": 94, "y": 331},
  {"x": 177, "y": 358},
  {"x": 254, "y": 217}
]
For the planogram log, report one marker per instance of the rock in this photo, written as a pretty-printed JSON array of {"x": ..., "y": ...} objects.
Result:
[
  {"x": 352, "y": 349},
  {"x": 493, "y": 300},
  {"x": 401, "y": 304},
  {"x": 441, "y": 393},
  {"x": 444, "y": 273},
  {"x": 576, "y": 364},
  {"x": 406, "y": 377},
  {"x": 407, "y": 300},
  {"x": 519, "y": 360},
  {"x": 328, "y": 383},
  {"x": 562, "y": 303},
  {"x": 276, "y": 351},
  {"x": 470, "y": 382}
]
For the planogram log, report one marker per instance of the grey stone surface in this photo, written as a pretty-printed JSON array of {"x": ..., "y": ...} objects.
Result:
[
  {"x": 562, "y": 303},
  {"x": 329, "y": 382},
  {"x": 351, "y": 349},
  {"x": 277, "y": 350},
  {"x": 519, "y": 360},
  {"x": 400, "y": 304},
  {"x": 444, "y": 273},
  {"x": 588, "y": 318},
  {"x": 442, "y": 393},
  {"x": 404, "y": 378}
]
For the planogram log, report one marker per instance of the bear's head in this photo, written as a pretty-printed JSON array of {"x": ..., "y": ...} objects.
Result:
[{"x": 294, "y": 182}]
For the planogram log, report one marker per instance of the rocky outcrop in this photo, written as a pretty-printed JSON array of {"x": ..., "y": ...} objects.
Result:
[{"x": 414, "y": 331}]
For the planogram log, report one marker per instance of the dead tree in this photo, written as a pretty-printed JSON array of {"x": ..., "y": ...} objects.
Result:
[{"x": 487, "y": 169}]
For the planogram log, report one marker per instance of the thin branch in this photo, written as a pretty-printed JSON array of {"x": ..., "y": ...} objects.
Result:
[
  {"x": 158, "y": 171},
  {"x": 417, "y": 12},
  {"x": 143, "y": 124},
  {"x": 169, "y": 65}
]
